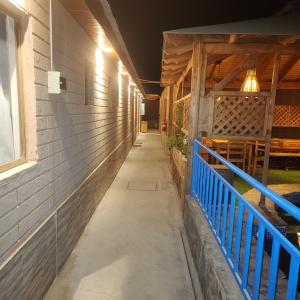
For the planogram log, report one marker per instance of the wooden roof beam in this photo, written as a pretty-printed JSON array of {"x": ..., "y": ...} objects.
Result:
[
  {"x": 264, "y": 85},
  {"x": 185, "y": 72},
  {"x": 172, "y": 67},
  {"x": 287, "y": 67},
  {"x": 265, "y": 61},
  {"x": 177, "y": 59},
  {"x": 289, "y": 39},
  {"x": 220, "y": 48},
  {"x": 216, "y": 59},
  {"x": 179, "y": 50},
  {"x": 171, "y": 73},
  {"x": 232, "y": 38},
  {"x": 245, "y": 64}
]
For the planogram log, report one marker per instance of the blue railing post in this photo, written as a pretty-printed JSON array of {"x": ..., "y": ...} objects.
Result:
[
  {"x": 228, "y": 218},
  {"x": 194, "y": 167}
]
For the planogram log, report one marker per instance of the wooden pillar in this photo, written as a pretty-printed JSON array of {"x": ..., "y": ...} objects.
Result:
[
  {"x": 199, "y": 62},
  {"x": 265, "y": 175},
  {"x": 170, "y": 108},
  {"x": 174, "y": 97}
]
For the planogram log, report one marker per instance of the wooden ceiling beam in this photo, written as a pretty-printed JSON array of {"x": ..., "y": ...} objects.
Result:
[
  {"x": 171, "y": 73},
  {"x": 287, "y": 67},
  {"x": 265, "y": 61},
  {"x": 289, "y": 39},
  {"x": 172, "y": 67},
  {"x": 215, "y": 48},
  {"x": 216, "y": 59},
  {"x": 246, "y": 63},
  {"x": 185, "y": 72},
  {"x": 232, "y": 38},
  {"x": 179, "y": 50},
  {"x": 264, "y": 85},
  {"x": 211, "y": 73},
  {"x": 176, "y": 58}
]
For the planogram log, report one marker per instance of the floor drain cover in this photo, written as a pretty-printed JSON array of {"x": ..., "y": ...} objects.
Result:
[{"x": 142, "y": 185}]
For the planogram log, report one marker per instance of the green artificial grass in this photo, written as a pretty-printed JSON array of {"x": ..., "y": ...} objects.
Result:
[{"x": 275, "y": 177}]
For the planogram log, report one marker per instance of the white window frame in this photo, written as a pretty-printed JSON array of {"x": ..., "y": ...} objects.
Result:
[{"x": 17, "y": 99}]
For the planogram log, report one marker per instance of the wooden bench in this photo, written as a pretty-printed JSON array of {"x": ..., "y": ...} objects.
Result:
[{"x": 285, "y": 154}]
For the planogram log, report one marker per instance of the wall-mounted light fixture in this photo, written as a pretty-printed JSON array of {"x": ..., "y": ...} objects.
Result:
[
  {"x": 103, "y": 42},
  {"x": 250, "y": 83}
]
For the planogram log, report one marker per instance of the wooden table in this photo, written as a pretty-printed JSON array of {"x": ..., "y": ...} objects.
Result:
[{"x": 218, "y": 144}]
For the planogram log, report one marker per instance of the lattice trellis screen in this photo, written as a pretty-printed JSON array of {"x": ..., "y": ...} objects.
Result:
[
  {"x": 239, "y": 116},
  {"x": 181, "y": 113},
  {"x": 286, "y": 116},
  {"x": 186, "y": 115}
]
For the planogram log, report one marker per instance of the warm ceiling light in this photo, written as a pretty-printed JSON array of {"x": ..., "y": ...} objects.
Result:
[
  {"x": 250, "y": 84},
  {"x": 103, "y": 43},
  {"x": 107, "y": 49}
]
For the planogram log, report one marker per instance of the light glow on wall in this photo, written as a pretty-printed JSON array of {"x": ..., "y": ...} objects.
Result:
[
  {"x": 99, "y": 70},
  {"x": 21, "y": 4},
  {"x": 103, "y": 43},
  {"x": 120, "y": 67}
]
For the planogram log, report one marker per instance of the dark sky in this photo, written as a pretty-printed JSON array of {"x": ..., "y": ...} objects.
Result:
[{"x": 142, "y": 22}]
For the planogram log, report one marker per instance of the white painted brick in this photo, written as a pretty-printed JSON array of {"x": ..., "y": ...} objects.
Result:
[
  {"x": 39, "y": 12},
  {"x": 41, "y": 46},
  {"x": 8, "y": 240},
  {"x": 40, "y": 29},
  {"x": 30, "y": 188},
  {"x": 8, "y": 202},
  {"x": 8, "y": 221},
  {"x": 41, "y": 61},
  {"x": 72, "y": 138},
  {"x": 33, "y": 202},
  {"x": 34, "y": 218},
  {"x": 41, "y": 76}
]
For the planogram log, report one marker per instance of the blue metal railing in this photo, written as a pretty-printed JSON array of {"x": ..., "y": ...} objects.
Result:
[{"x": 233, "y": 219}]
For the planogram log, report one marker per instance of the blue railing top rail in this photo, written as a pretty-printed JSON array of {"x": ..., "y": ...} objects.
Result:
[{"x": 287, "y": 206}]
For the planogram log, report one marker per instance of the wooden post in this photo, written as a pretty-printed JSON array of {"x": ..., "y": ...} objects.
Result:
[
  {"x": 199, "y": 62},
  {"x": 174, "y": 94},
  {"x": 170, "y": 113},
  {"x": 270, "y": 112}
]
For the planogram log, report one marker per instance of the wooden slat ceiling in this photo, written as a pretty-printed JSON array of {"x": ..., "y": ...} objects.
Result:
[{"x": 177, "y": 51}]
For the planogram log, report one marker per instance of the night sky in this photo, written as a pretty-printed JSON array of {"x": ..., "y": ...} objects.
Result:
[{"x": 142, "y": 22}]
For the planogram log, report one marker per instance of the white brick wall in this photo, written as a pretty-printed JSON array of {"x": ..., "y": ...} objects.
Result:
[{"x": 72, "y": 138}]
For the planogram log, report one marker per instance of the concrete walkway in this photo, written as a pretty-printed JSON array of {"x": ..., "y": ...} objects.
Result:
[{"x": 132, "y": 247}]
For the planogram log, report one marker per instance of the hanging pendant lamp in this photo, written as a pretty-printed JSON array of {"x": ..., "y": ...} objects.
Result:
[{"x": 250, "y": 83}]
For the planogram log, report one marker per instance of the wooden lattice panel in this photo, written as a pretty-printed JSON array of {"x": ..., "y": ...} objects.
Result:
[
  {"x": 240, "y": 116},
  {"x": 186, "y": 115},
  {"x": 181, "y": 113},
  {"x": 286, "y": 116}
]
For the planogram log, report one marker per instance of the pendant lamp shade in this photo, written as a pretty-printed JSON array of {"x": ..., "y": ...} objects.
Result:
[{"x": 250, "y": 83}]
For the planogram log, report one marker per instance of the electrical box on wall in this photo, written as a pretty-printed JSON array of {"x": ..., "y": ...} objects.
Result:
[
  {"x": 54, "y": 82},
  {"x": 63, "y": 83},
  {"x": 143, "y": 109}
]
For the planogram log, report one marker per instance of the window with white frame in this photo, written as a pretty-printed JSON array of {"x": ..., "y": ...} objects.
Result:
[{"x": 10, "y": 131}]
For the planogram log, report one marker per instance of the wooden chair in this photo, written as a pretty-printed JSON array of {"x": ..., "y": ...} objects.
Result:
[
  {"x": 259, "y": 155},
  {"x": 237, "y": 153},
  {"x": 234, "y": 152}
]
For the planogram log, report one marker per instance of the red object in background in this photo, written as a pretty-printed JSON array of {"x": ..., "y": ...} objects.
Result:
[{"x": 164, "y": 126}]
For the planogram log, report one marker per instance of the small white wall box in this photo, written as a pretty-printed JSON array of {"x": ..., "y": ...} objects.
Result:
[
  {"x": 54, "y": 82},
  {"x": 143, "y": 109}
]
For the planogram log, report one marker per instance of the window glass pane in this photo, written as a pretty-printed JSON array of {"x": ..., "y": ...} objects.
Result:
[{"x": 10, "y": 148}]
